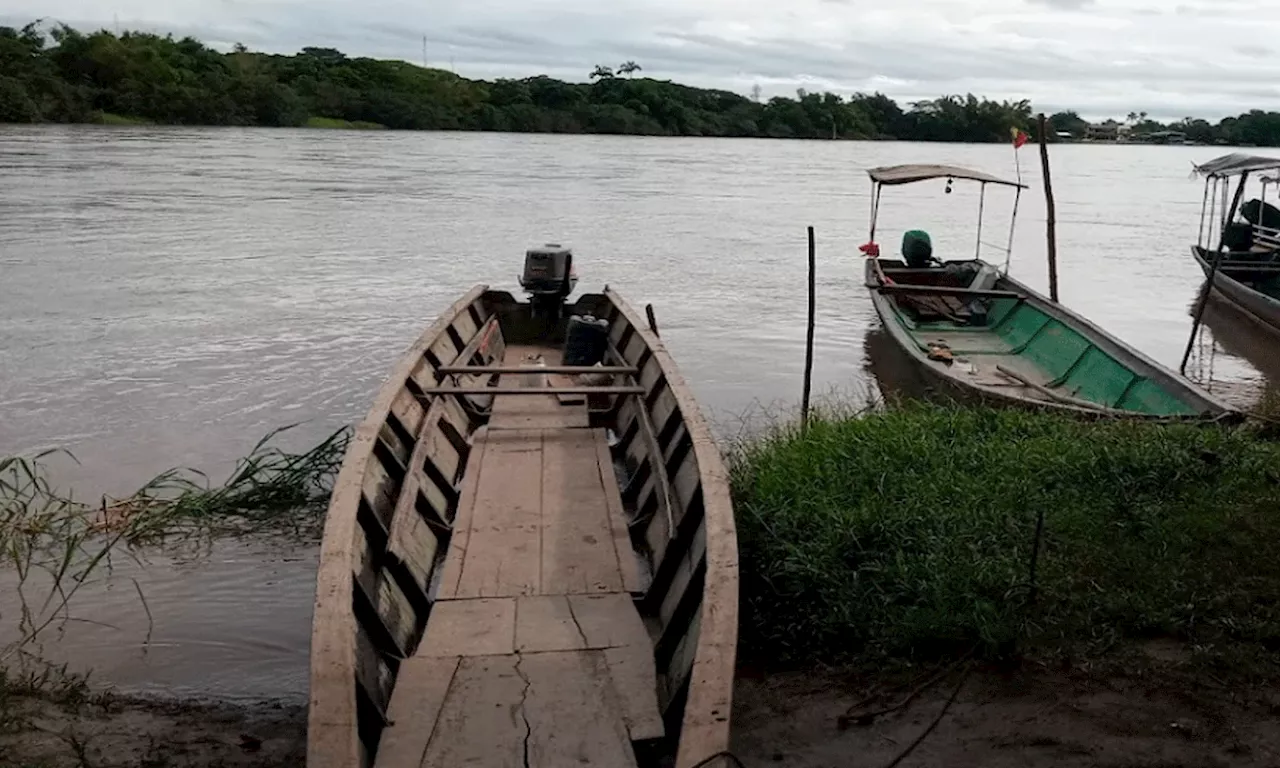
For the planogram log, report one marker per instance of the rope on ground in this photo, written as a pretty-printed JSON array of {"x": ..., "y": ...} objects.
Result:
[
  {"x": 727, "y": 754},
  {"x": 941, "y": 714},
  {"x": 865, "y": 718}
]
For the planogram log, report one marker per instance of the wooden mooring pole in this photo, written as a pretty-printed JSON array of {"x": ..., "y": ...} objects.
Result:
[
  {"x": 1051, "y": 225},
  {"x": 808, "y": 344}
]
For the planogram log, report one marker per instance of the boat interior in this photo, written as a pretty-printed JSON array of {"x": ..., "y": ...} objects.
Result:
[
  {"x": 990, "y": 334},
  {"x": 1251, "y": 248},
  {"x": 529, "y": 553}
]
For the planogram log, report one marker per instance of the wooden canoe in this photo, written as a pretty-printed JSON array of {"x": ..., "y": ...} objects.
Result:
[
  {"x": 1008, "y": 345},
  {"x": 522, "y": 574},
  {"x": 1252, "y": 288}
]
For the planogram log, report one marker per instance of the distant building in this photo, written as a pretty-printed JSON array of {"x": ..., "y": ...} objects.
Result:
[
  {"x": 1163, "y": 137},
  {"x": 1107, "y": 131}
]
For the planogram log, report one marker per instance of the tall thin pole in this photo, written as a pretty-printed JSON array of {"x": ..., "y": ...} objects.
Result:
[
  {"x": 424, "y": 51},
  {"x": 1051, "y": 225},
  {"x": 1213, "y": 271},
  {"x": 808, "y": 344},
  {"x": 982, "y": 201}
]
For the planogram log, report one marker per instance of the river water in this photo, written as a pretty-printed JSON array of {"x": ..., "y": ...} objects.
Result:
[{"x": 169, "y": 295}]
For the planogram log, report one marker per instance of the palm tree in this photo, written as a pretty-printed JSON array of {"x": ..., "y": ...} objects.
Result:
[
  {"x": 628, "y": 67},
  {"x": 601, "y": 71}
]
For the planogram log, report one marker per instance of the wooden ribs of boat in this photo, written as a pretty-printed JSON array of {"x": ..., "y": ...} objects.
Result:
[{"x": 500, "y": 586}]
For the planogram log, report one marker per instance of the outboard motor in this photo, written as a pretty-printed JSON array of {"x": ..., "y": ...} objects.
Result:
[
  {"x": 548, "y": 278},
  {"x": 917, "y": 248}
]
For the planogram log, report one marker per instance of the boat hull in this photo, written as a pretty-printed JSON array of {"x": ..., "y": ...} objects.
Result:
[
  {"x": 405, "y": 504},
  {"x": 1261, "y": 308},
  {"x": 1035, "y": 354}
]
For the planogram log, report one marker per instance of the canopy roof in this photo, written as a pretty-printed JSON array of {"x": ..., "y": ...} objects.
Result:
[
  {"x": 1236, "y": 164},
  {"x": 907, "y": 174}
]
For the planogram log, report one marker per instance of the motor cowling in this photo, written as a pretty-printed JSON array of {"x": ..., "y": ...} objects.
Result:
[{"x": 548, "y": 271}]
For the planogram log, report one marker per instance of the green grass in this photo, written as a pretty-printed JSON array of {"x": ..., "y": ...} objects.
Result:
[
  {"x": 330, "y": 122},
  {"x": 907, "y": 535}
]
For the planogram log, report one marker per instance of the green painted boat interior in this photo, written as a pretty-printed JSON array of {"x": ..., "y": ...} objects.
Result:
[{"x": 1020, "y": 337}]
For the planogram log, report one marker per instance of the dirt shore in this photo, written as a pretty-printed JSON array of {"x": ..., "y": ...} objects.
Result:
[
  {"x": 1025, "y": 718},
  {"x": 119, "y": 732}
]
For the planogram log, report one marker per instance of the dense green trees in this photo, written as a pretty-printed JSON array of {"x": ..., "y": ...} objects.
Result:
[{"x": 64, "y": 75}]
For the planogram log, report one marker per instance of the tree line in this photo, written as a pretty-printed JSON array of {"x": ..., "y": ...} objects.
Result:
[{"x": 60, "y": 74}]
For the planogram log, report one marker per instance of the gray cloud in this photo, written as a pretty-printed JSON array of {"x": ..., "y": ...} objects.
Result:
[
  {"x": 1098, "y": 58},
  {"x": 1071, "y": 5}
]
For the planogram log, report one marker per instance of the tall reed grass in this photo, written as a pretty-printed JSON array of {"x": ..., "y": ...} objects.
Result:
[{"x": 56, "y": 544}]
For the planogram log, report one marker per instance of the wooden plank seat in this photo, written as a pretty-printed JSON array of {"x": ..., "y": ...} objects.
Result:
[{"x": 927, "y": 308}]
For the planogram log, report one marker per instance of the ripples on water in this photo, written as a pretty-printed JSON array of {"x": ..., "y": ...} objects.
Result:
[{"x": 170, "y": 295}]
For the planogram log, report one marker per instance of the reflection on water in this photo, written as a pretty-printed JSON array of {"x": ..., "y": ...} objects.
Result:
[
  {"x": 231, "y": 623},
  {"x": 172, "y": 294},
  {"x": 1236, "y": 357},
  {"x": 895, "y": 373}
]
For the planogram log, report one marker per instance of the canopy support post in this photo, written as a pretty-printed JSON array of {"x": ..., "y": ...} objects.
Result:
[
  {"x": 875, "y": 209},
  {"x": 1213, "y": 212},
  {"x": 1213, "y": 271},
  {"x": 982, "y": 201},
  {"x": 1013, "y": 223},
  {"x": 1204, "y": 206}
]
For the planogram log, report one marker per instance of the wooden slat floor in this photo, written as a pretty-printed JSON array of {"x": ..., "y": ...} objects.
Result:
[{"x": 534, "y": 654}]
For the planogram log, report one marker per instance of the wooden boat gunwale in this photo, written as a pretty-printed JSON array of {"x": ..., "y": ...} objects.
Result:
[
  {"x": 1137, "y": 361},
  {"x": 695, "y": 580},
  {"x": 706, "y": 724},
  {"x": 1260, "y": 307},
  {"x": 332, "y": 722}
]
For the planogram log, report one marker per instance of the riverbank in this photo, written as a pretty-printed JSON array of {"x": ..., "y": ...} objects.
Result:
[
  {"x": 1146, "y": 714},
  {"x": 58, "y": 722},
  {"x": 183, "y": 82},
  {"x": 887, "y": 583},
  {"x": 900, "y": 587}
]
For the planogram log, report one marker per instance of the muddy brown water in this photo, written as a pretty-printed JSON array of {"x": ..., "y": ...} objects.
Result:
[{"x": 171, "y": 294}]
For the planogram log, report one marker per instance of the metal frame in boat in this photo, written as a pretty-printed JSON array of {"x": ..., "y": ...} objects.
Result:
[{"x": 893, "y": 175}]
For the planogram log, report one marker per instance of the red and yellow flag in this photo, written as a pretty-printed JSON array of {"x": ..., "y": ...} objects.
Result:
[{"x": 1019, "y": 137}]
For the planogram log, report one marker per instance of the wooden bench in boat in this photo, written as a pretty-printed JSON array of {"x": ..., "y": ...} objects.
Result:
[{"x": 501, "y": 586}]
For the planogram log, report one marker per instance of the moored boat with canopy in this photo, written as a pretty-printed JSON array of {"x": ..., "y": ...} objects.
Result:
[{"x": 974, "y": 332}]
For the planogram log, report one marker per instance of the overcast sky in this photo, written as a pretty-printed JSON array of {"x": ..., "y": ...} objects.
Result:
[{"x": 1206, "y": 58}]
